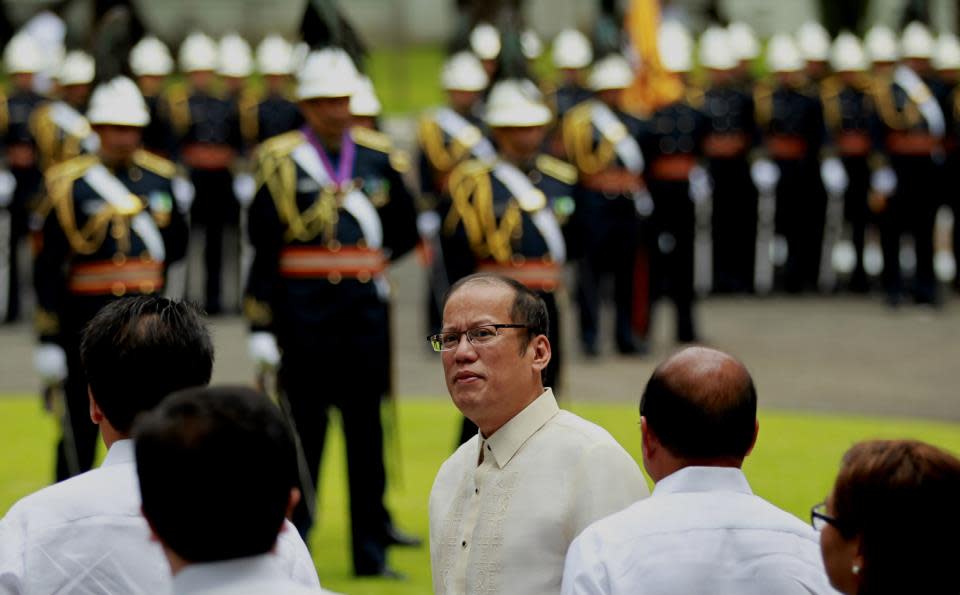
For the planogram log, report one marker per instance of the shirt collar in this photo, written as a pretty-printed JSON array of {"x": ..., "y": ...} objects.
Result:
[
  {"x": 207, "y": 575},
  {"x": 505, "y": 442},
  {"x": 120, "y": 452},
  {"x": 703, "y": 479}
]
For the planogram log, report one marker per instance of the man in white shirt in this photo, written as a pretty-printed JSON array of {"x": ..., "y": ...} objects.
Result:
[
  {"x": 505, "y": 506},
  {"x": 703, "y": 530},
  {"x": 86, "y": 535},
  {"x": 218, "y": 476}
]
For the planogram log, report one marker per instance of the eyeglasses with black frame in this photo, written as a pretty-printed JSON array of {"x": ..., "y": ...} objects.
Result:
[
  {"x": 478, "y": 335},
  {"x": 819, "y": 518}
]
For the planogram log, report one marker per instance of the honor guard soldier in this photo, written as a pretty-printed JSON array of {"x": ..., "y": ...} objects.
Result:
[
  {"x": 791, "y": 122},
  {"x": 151, "y": 64},
  {"x": 209, "y": 141},
  {"x": 330, "y": 213},
  {"x": 946, "y": 59},
  {"x": 746, "y": 49},
  {"x": 728, "y": 147},
  {"x": 502, "y": 215},
  {"x": 446, "y": 137},
  {"x": 485, "y": 43},
  {"x": 572, "y": 55},
  {"x": 602, "y": 142},
  {"x": 111, "y": 229},
  {"x": 813, "y": 41},
  {"x": 21, "y": 180},
  {"x": 849, "y": 113},
  {"x": 234, "y": 65},
  {"x": 59, "y": 127},
  {"x": 673, "y": 146},
  {"x": 276, "y": 112},
  {"x": 912, "y": 126},
  {"x": 365, "y": 106}
]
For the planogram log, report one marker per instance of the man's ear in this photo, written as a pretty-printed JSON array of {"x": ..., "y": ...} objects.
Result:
[
  {"x": 647, "y": 440},
  {"x": 96, "y": 415},
  {"x": 541, "y": 352},
  {"x": 293, "y": 501}
]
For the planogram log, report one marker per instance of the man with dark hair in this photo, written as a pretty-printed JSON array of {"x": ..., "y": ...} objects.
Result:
[
  {"x": 86, "y": 534},
  {"x": 506, "y": 505},
  {"x": 703, "y": 529},
  {"x": 221, "y": 443}
]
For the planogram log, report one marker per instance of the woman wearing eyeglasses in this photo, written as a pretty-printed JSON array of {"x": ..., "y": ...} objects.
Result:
[{"x": 883, "y": 524}]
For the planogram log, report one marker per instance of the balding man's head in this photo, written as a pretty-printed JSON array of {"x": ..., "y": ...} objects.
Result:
[{"x": 701, "y": 405}]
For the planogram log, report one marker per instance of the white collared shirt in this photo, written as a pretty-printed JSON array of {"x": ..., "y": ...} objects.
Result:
[
  {"x": 503, "y": 526},
  {"x": 255, "y": 575},
  {"x": 702, "y": 531},
  {"x": 86, "y": 535}
]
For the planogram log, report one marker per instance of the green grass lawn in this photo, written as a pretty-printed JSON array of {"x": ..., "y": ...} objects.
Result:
[{"x": 793, "y": 465}]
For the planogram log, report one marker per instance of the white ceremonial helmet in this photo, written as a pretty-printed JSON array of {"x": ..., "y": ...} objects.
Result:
[
  {"x": 77, "y": 68},
  {"x": 464, "y": 72},
  {"x": 881, "y": 44},
  {"x": 274, "y": 55},
  {"x": 235, "y": 57},
  {"x": 151, "y": 57},
  {"x": 118, "y": 102},
  {"x": 716, "y": 51},
  {"x": 198, "y": 52},
  {"x": 571, "y": 49},
  {"x": 485, "y": 41},
  {"x": 364, "y": 101},
  {"x": 783, "y": 54},
  {"x": 23, "y": 54},
  {"x": 813, "y": 42},
  {"x": 516, "y": 102},
  {"x": 916, "y": 41},
  {"x": 611, "y": 72},
  {"x": 530, "y": 44},
  {"x": 675, "y": 45},
  {"x": 329, "y": 72},
  {"x": 743, "y": 41},
  {"x": 946, "y": 56},
  {"x": 847, "y": 54}
]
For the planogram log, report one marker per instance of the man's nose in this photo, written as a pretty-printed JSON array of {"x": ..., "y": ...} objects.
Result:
[{"x": 464, "y": 351}]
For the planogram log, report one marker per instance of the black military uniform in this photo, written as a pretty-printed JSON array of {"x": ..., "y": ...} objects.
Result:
[
  {"x": 916, "y": 155},
  {"x": 791, "y": 122},
  {"x": 606, "y": 223},
  {"x": 16, "y": 113},
  {"x": 486, "y": 227},
  {"x": 727, "y": 147},
  {"x": 316, "y": 284},
  {"x": 90, "y": 253},
  {"x": 158, "y": 135},
  {"x": 849, "y": 115},
  {"x": 209, "y": 139},
  {"x": 266, "y": 117},
  {"x": 674, "y": 145}
]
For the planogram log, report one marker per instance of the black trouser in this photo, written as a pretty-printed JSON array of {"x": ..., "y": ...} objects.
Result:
[
  {"x": 734, "y": 225},
  {"x": 13, "y": 228},
  {"x": 551, "y": 374},
  {"x": 856, "y": 211},
  {"x": 353, "y": 382},
  {"x": 609, "y": 248},
  {"x": 671, "y": 262},
  {"x": 801, "y": 207},
  {"x": 912, "y": 210},
  {"x": 214, "y": 210}
]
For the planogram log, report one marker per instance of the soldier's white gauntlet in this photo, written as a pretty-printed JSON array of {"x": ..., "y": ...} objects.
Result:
[
  {"x": 834, "y": 176},
  {"x": 765, "y": 175},
  {"x": 884, "y": 181},
  {"x": 7, "y": 185},
  {"x": 263, "y": 349},
  {"x": 50, "y": 362}
]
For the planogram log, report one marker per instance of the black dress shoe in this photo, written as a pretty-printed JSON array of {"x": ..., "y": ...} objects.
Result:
[
  {"x": 386, "y": 573},
  {"x": 394, "y": 536}
]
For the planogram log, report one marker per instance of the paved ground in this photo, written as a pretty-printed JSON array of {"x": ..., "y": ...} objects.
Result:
[{"x": 811, "y": 353}]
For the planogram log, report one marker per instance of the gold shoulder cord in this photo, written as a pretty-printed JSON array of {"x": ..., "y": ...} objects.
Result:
[
  {"x": 4, "y": 114},
  {"x": 830, "y": 98},
  {"x": 431, "y": 141},
  {"x": 893, "y": 118},
  {"x": 578, "y": 142},
  {"x": 249, "y": 108},
  {"x": 472, "y": 199},
  {"x": 44, "y": 133},
  {"x": 154, "y": 163},
  {"x": 279, "y": 173},
  {"x": 763, "y": 105},
  {"x": 178, "y": 106},
  {"x": 60, "y": 188}
]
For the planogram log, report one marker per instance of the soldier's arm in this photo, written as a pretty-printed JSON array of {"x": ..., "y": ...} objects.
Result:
[
  {"x": 265, "y": 233},
  {"x": 51, "y": 251},
  {"x": 399, "y": 215}
]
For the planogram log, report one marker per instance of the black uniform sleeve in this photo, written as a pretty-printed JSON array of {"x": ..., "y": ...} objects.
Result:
[
  {"x": 49, "y": 280},
  {"x": 398, "y": 216},
  {"x": 265, "y": 232},
  {"x": 176, "y": 233}
]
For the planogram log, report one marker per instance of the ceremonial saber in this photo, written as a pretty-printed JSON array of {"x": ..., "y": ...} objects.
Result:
[
  {"x": 763, "y": 263},
  {"x": 833, "y": 224}
]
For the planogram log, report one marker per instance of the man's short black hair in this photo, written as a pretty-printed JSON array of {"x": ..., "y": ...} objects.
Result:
[
  {"x": 528, "y": 308},
  {"x": 216, "y": 466},
  {"x": 137, "y": 350},
  {"x": 697, "y": 421}
]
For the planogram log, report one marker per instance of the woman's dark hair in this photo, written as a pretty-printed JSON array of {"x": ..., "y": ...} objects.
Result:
[{"x": 901, "y": 498}]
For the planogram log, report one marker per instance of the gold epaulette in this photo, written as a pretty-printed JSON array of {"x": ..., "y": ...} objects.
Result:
[
  {"x": 69, "y": 170},
  {"x": 280, "y": 145},
  {"x": 178, "y": 106},
  {"x": 371, "y": 139},
  {"x": 155, "y": 163},
  {"x": 558, "y": 169},
  {"x": 763, "y": 103},
  {"x": 830, "y": 89}
]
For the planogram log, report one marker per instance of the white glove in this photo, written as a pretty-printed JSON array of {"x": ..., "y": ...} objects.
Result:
[
  {"x": 183, "y": 192},
  {"x": 884, "y": 181},
  {"x": 765, "y": 175},
  {"x": 263, "y": 349},
  {"x": 244, "y": 188},
  {"x": 8, "y": 184},
  {"x": 428, "y": 224},
  {"x": 50, "y": 362},
  {"x": 643, "y": 203},
  {"x": 834, "y": 176},
  {"x": 701, "y": 186}
]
